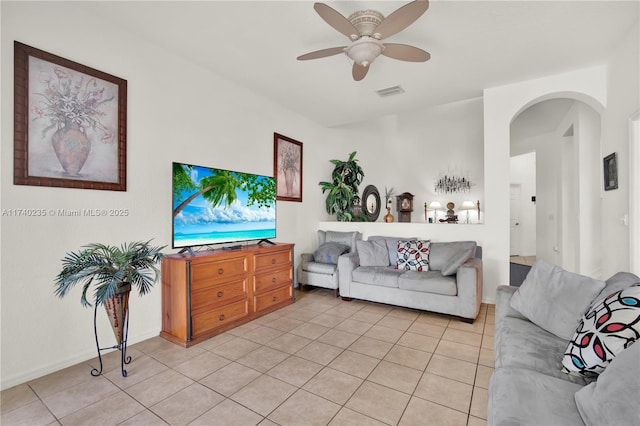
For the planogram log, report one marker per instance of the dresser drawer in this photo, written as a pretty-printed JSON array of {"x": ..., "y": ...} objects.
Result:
[
  {"x": 271, "y": 260},
  {"x": 272, "y": 280},
  {"x": 215, "y": 318},
  {"x": 205, "y": 274},
  {"x": 218, "y": 295},
  {"x": 271, "y": 298}
]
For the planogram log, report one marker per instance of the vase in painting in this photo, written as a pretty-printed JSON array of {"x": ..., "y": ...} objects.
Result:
[
  {"x": 72, "y": 147},
  {"x": 289, "y": 180}
]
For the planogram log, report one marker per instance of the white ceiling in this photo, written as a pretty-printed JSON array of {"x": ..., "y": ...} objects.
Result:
[{"x": 473, "y": 45}]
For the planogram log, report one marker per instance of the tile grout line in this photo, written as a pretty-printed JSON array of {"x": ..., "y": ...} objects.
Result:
[{"x": 389, "y": 314}]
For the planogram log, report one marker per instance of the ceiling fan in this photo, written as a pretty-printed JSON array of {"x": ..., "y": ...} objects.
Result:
[{"x": 365, "y": 29}]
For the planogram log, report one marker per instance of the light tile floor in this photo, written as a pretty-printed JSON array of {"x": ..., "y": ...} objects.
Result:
[{"x": 319, "y": 361}]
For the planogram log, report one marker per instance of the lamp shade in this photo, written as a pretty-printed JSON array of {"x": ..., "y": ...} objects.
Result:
[
  {"x": 435, "y": 205},
  {"x": 467, "y": 205}
]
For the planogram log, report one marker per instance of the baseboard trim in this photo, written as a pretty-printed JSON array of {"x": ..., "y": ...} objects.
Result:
[{"x": 11, "y": 381}]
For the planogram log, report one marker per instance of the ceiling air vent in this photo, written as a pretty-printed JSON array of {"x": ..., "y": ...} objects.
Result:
[{"x": 390, "y": 91}]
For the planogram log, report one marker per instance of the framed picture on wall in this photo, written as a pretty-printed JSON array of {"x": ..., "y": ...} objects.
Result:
[
  {"x": 287, "y": 167},
  {"x": 611, "y": 172},
  {"x": 70, "y": 123}
]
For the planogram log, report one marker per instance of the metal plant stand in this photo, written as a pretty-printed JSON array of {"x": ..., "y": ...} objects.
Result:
[{"x": 122, "y": 347}]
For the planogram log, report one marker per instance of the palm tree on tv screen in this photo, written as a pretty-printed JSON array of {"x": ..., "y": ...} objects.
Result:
[{"x": 221, "y": 187}]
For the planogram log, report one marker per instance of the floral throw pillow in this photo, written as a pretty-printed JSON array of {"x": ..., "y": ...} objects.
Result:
[
  {"x": 611, "y": 325},
  {"x": 413, "y": 255}
]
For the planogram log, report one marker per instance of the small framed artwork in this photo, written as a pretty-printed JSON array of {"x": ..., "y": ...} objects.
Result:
[
  {"x": 287, "y": 167},
  {"x": 70, "y": 123},
  {"x": 611, "y": 172}
]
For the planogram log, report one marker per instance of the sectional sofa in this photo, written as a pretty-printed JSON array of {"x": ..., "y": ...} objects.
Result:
[{"x": 566, "y": 350}]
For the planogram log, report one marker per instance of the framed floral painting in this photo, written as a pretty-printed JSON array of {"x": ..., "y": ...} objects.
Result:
[
  {"x": 287, "y": 167},
  {"x": 70, "y": 123}
]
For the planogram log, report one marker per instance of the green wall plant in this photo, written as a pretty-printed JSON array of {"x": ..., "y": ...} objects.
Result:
[{"x": 343, "y": 189}]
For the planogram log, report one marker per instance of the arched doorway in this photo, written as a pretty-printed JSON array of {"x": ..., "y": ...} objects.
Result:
[{"x": 561, "y": 135}]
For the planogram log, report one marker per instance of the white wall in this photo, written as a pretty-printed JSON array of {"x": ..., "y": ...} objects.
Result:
[
  {"x": 623, "y": 102},
  {"x": 590, "y": 187},
  {"x": 176, "y": 111},
  {"x": 408, "y": 152}
]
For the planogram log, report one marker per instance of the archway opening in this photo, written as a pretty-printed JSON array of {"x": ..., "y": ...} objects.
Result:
[{"x": 555, "y": 154}]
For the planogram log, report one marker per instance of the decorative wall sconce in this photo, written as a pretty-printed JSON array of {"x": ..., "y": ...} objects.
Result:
[{"x": 452, "y": 184}]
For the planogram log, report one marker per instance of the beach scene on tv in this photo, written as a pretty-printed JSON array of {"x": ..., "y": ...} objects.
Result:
[{"x": 212, "y": 206}]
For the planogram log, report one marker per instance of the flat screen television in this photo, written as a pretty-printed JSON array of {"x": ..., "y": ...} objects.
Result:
[{"x": 215, "y": 206}]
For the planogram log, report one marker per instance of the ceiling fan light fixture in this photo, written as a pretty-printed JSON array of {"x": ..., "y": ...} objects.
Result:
[
  {"x": 365, "y": 51},
  {"x": 366, "y": 21}
]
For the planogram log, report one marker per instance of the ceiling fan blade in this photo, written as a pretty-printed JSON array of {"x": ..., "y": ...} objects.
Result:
[
  {"x": 401, "y": 18},
  {"x": 405, "y": 52},
  {"x": 322, "y": 53},
  {"x": 336, "y": 20},
  {"x": 359, "y": 72}
]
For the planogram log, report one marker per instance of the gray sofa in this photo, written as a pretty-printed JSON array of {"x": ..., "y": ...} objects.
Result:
[
  {"x": 450, "y": 284},
  {"x": 529, "y": 386}
]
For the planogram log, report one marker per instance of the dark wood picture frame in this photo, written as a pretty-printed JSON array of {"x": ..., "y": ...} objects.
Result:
[
  {"x": 70, "y": 123},
  {"x": 287, "y": 168},
  {"x": 611, "y": 171}
]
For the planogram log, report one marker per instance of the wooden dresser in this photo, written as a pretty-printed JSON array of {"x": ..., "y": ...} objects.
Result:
[{"x": 209, "y": 292}]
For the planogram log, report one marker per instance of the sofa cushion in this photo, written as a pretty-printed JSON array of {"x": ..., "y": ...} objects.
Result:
[
  {"x": 428, "y": 282},
  {"x": 321, "y": 268},
  {"x": 519, "y": 343},
  {"x": 372, "y": 253},
  {"x": 441, "y": 253},
  {"x": 610, "y": 326},
  {"x": 456, "y": 261},
  {"x": 524, "y": 397},
  {"x": 618, "y": 281},
  {"x": 613, "y": 399},
  {"x": 329, "y": 252},
  {"x": 348, "y": 238},
  {"x": 555, "y": 299},
  {"x": 413, "y": 255},
  {"x": 392, "y": 245},
  {"x": 384, "y": 276}
]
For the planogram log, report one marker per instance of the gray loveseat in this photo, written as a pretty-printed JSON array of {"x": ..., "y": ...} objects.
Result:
[
  {"x": 450, "y": 281},
  {"x": 529, "y": 386}
]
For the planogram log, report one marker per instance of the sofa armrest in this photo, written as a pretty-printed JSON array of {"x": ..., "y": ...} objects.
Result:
[
  {"x": 305, "y": 258},
  {"x": 504, "y": 293},
  {"x": 346, "y": 264},
  {"x": 469, "y": 282}
]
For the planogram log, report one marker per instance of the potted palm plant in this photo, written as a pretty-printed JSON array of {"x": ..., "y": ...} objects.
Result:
[
  {"x": 343, "y": 198},
  {"x": 111, "y": 271}
]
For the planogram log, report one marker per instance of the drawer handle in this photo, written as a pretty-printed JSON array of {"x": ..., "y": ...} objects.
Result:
[
  {"x": 220, "y": 294},
  {"x": 274, "y": 298},
  {"x": 273, "y": 280},
  {"x": 221, "y": 318},
  {"x": 220, "y": 271},
  {"x": 273, "y": 261}
]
